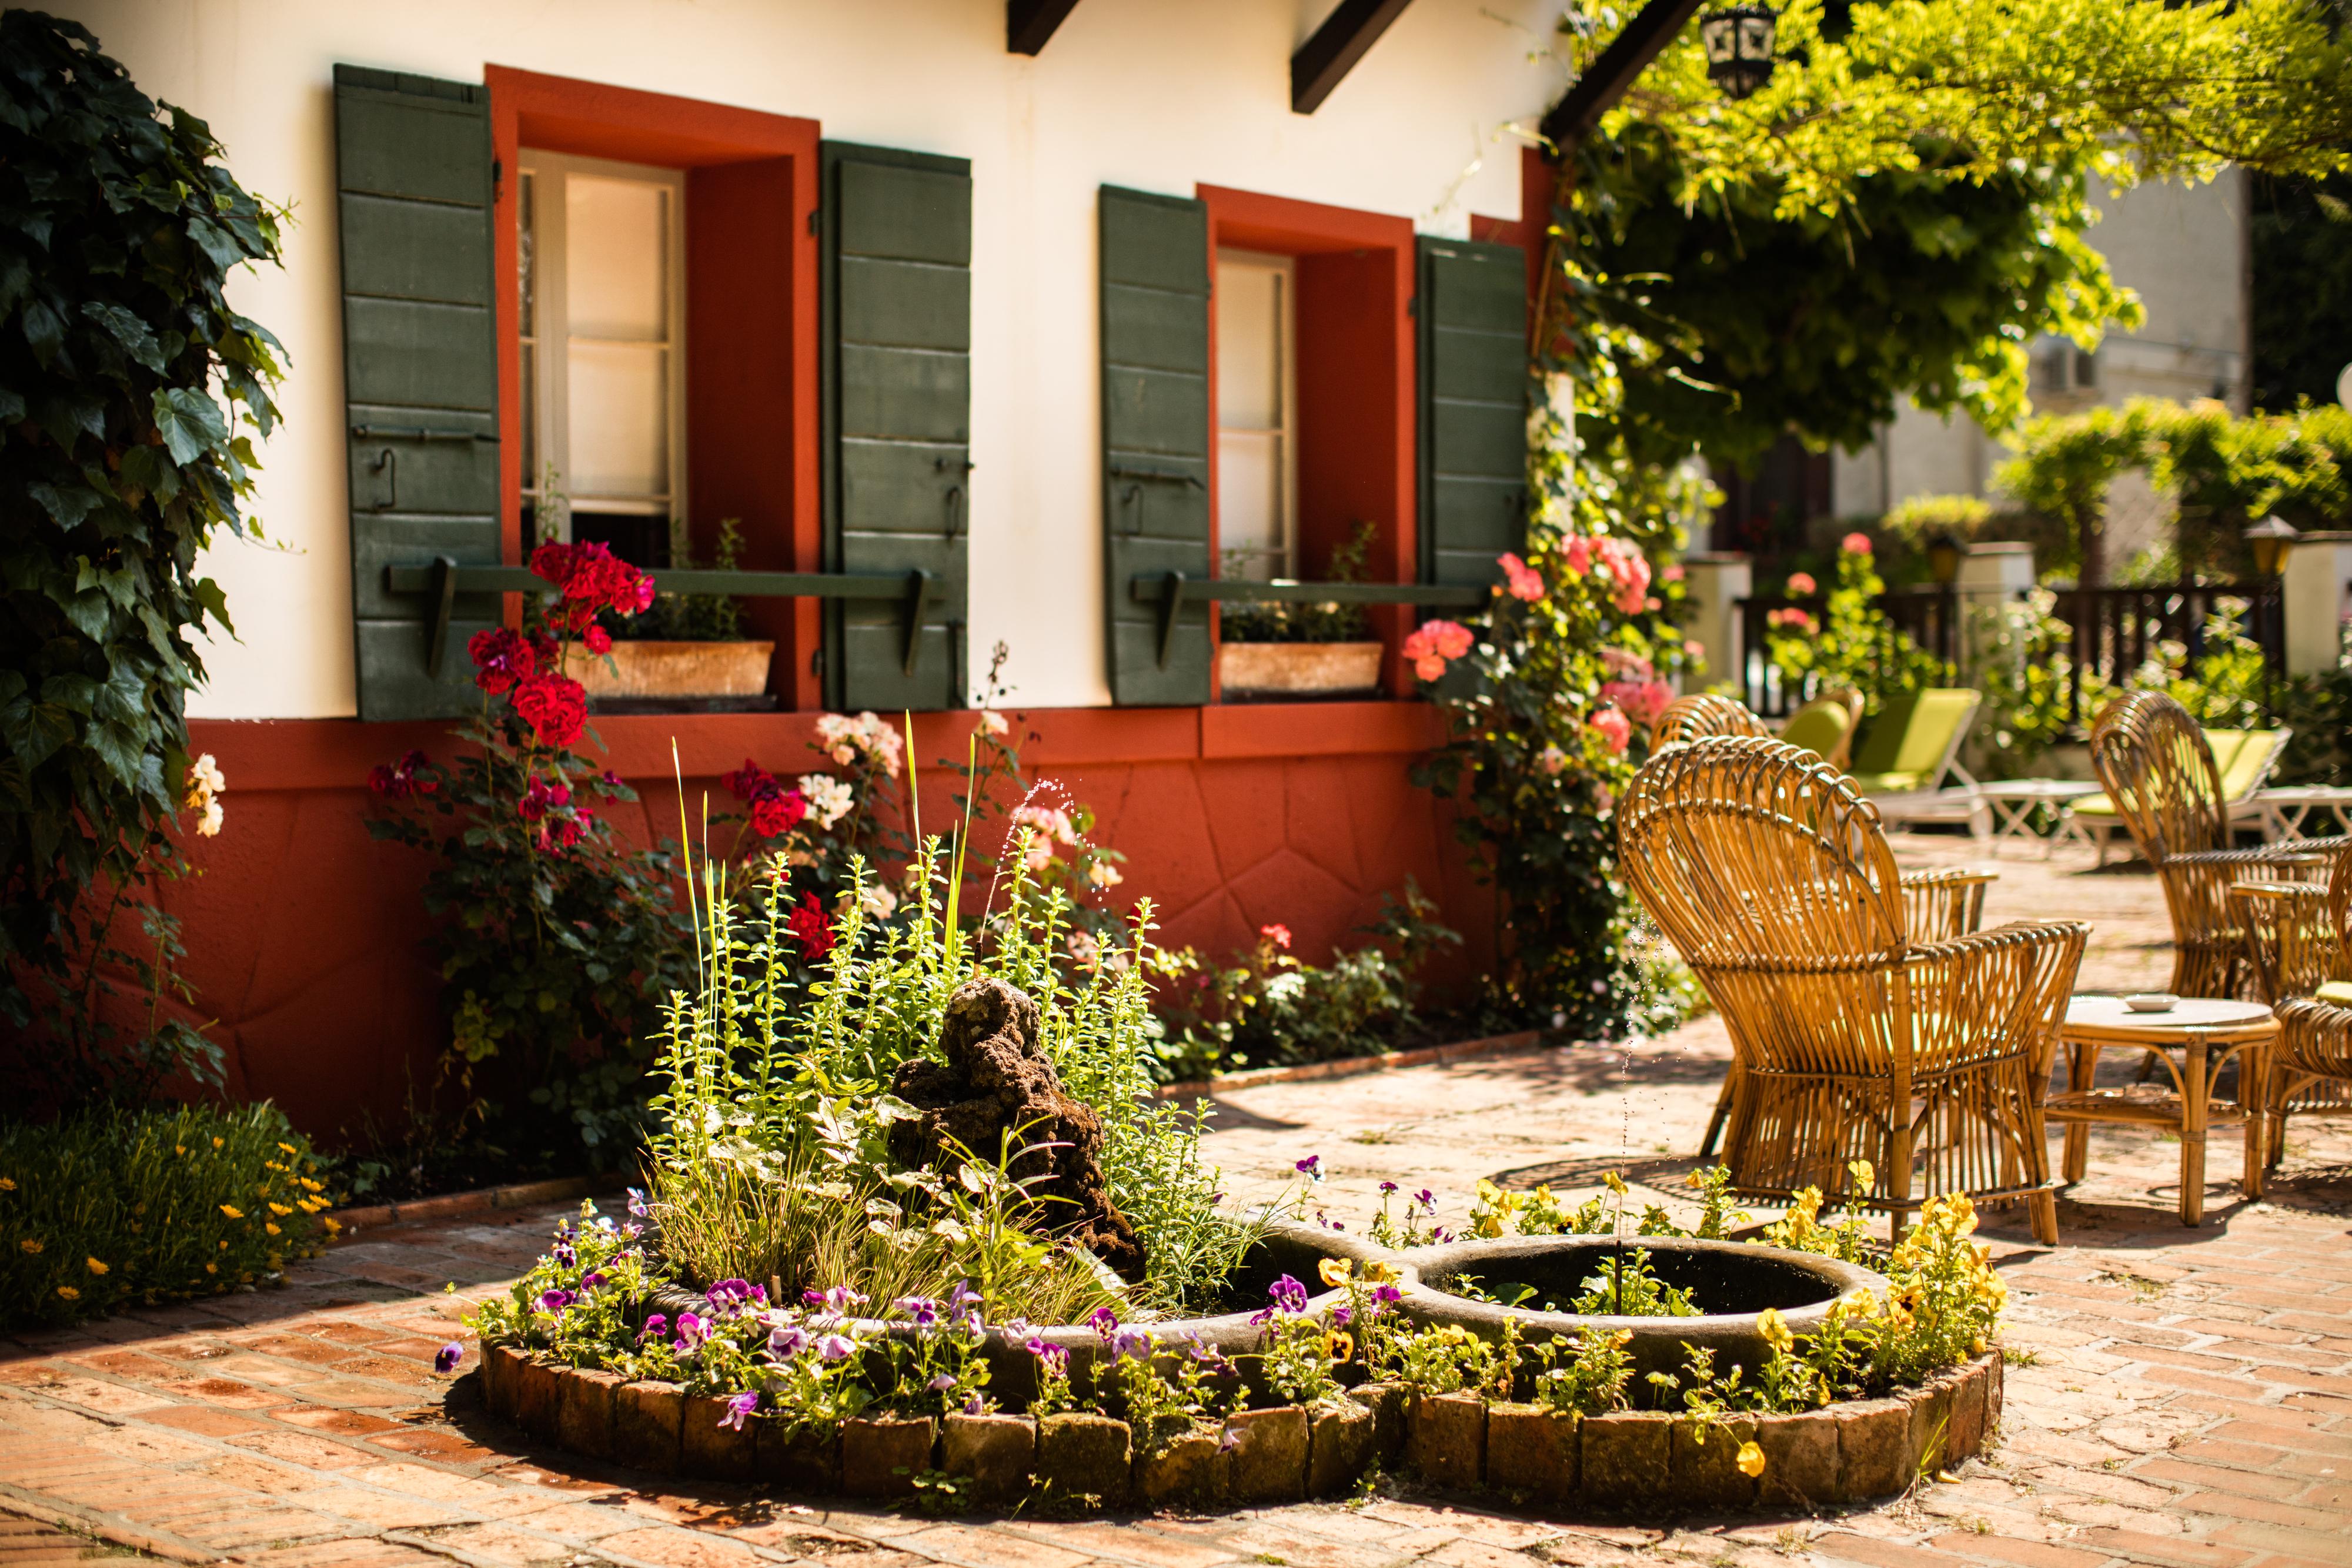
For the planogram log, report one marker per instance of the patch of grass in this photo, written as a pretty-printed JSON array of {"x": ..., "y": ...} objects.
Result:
[
  {"x": 2019, "y": 1355},
  {"x": 2140, "y": 1285}
]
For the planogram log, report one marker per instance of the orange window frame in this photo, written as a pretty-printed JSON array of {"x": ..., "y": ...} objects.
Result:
[{"x": 751, "y": 267}]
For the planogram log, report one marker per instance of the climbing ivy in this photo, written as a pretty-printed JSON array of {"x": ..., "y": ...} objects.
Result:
[{"x": 125, "y": 379}]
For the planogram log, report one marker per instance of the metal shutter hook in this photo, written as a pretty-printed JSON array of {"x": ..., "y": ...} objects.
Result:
[{"x": 387, "y": 463}]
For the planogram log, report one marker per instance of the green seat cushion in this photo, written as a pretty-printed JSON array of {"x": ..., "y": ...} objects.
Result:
[
  {"x": 1888, "y": 783},
  {"x": 1818, "y": 727},
  {"x": 2094, "y": 806},
  {"x": 2337, "y": 992},
  {"x": 2240, "y": 756},
  {"x": 1911, "y": 736}
]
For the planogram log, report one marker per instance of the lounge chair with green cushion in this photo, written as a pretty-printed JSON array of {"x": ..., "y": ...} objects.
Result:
[
  {"x": 1824, "y": 726},
  {"x": 2244, "y": 756},
  {"x": 1913, "y": 748}
]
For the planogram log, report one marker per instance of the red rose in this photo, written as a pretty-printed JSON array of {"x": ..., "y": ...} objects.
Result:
[
  {"x": 776, "y": 812},
  {"x": 599, "y": 640},
  {"x": 810, "y": 928},
  {"x": 747, "y": 782},
  {"x": 556, "y": 706}
]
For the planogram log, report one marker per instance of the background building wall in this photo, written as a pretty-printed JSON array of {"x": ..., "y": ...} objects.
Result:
[{"x": 1136, "y": 92}]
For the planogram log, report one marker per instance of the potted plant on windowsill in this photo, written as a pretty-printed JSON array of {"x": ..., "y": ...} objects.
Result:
[
  {"x": 688, "y": 648},
  {"x": 1283, "y": 652}
]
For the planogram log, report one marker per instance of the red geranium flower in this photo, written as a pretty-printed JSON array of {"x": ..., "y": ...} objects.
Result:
[
  {"x": 500, "y": 658},
  {"x": 399, "y": 779},
  {"x": 556, "y": 707}
]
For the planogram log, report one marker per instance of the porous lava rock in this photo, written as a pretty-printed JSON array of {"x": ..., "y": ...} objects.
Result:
[{"x": 995, "y": 1080}]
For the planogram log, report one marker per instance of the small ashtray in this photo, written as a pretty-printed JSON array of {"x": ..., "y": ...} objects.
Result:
[{"x": 2152, "y": 1002}]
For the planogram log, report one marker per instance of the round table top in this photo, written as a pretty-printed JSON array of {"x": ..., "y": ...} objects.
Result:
[
  {"x": 2036, "y": 789},
  {"x": 2105, "y": 1015}
]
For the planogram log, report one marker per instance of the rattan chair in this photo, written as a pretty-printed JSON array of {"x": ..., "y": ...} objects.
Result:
[
  {"x": 2299, "y": 940},
  {"x": 1703, "y": 713},
  {"x": 1942, "y": 903},
  {"x": 1858, "y": 1041},
  {"x": 2154, "y": 764}
]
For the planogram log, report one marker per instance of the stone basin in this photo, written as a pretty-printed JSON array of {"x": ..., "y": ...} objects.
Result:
[{"x": 1729, "y": 1281}]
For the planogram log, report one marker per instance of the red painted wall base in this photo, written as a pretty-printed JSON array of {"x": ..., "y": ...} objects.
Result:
[{"x": 304, "y": 933}]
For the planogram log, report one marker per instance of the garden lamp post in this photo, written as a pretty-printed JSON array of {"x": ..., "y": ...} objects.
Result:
[
  {"x": 1739, "y": 44},
  {"x": 2269, "y": 539},
  {"x": 1944, "y": 559}
]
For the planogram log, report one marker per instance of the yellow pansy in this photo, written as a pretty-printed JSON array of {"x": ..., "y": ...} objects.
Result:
[
  {"x": 1335, "y": 1270},
  {"x": 1865, "y": 1174},
  {"x": 1378, "y": 1273},
  {"x": 1751, "y": 1459},
  {"x": 1614, "y": 1183},
  {"x": 1774, "y": 1328},
  {"x": 1339, "y": 1344}
]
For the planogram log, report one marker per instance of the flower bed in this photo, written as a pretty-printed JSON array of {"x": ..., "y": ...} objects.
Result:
[{"x": 1622, "y": 1460}]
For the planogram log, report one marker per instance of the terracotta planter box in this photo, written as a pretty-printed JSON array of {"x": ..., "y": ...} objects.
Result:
[
  {"x": 678, "y": 670},
  {"x": 1298, "y": 669},
  {"x": 1267, "y": 1462}
]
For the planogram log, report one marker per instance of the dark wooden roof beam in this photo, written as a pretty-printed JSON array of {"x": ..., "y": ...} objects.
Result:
[
  {"x": 1029, "y": 23},
  {"x": 1343, "y": 39},
  {"x": 1627, "y": 56}
]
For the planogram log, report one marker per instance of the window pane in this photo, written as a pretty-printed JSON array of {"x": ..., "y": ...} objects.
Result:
[
  {"x": 618, "y": 420},
  {"x": 1249, "y": 347},
  {"x": 531, "y": 416},
  {"x": 615, "y": 250},
  {"x": 526, "y": 245},
  {"x": 1249, "y": 487}
]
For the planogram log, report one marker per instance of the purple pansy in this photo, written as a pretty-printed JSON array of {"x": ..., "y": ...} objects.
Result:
[
  {"x": 787, "y": 1339},
  {"x": 448, "y": 1356},
  {"x": 1288, "y": 1296},
  {"x": 1311, "y": 1167},
  {"x": 941, "y": 1383},
  {"x": 555, "y": 1301},
  {"x": 1104, "y": 1322},
  {"x": 835, "y": 1347},
  {"x": 742, "y": 1405},
  {"x": 636, "y": 1203}
]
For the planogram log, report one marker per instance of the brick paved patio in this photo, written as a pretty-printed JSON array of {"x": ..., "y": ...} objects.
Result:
[{"x": 2184, "y": 1396}]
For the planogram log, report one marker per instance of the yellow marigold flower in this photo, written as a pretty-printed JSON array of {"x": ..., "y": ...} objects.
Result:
[
  {"x": 333, "y": 1225},
  {"x": 313, "y": 1186},
  {"x": 6, "y": 1185},
  {"x": 280, "y": 1210},
  {"x": 1335, "y": 1270},
  {"x": 183, "y": 1148},
  {"x": 95, "y": 1266},
  {"x": 218, "y": 1144},
  {"x": 271, "y": 1226},
  {"x": 232, "y": 1211},
  {"x": 68, "y": 1293},
  {"x": 30, "y": 1244},
  {"x": 289, "y": 1148},
  {"x": 1750, "y": 1460},
  {"x": 212, "y": 1268},
  {"x": 224, "y": 1246}
]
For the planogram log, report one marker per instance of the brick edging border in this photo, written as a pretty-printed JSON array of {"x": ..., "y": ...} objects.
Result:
[
  {"x": 1646, "y": 1461},
  {"x": 448, "y": 1204},
  {"x": 1350, "y": 1066}
]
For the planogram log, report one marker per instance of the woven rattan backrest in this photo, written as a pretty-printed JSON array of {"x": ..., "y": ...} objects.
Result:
[
  {"x": 1703, "y": 713},
  {"x": 2340, "y": 904},
  {"x": 1757, "y": 856},
  {"x": 2160, "y": 775}
]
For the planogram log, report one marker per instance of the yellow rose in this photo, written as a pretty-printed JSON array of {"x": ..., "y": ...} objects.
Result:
[
  {"x": 1334, "y": 1272},
  {"x": 1751, "y": 1459}
]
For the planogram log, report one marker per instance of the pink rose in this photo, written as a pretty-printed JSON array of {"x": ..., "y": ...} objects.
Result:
[
  {"x": 1856, "y": 544},
  {"x": 1612, "y": 724},
  {"x": 1673, "y": 573},
  {"x": 1577, "y": 554},
  {"x": 1525, "y": 583},
  {"x": 1801, "y": 585}
]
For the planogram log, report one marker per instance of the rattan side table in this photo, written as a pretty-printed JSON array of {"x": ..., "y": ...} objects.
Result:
[{"x": 2193, "y": 1040}]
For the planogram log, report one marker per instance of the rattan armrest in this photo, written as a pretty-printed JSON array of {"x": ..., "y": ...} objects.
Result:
[
  {"x": 2016, "y": 933},
  {"x": 1940, "y": 904},
  {"x": 1993, "y": 993},
  {"x": 2304, "y": 853},
  {"x": 2288, "y": 936}
]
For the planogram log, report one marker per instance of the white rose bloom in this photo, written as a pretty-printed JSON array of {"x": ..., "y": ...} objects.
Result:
[
  {"x": 878, "y": 900},
  {"x": 828, "y": 798},
  {"x": 1102, "y": 874}
]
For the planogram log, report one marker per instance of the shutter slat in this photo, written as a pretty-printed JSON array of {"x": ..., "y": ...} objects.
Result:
[
  {"x": 414, "y": 204},
  {"x": 1471, "y": 317},
  {"x": 898, "y": 416},
  {"x": 1155, "y": 396}
]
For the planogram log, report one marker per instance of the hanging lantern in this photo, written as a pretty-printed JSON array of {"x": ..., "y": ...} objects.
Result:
[
  {"x": 2269, "y": 539},
  {"x": 1739, "y": 44}
]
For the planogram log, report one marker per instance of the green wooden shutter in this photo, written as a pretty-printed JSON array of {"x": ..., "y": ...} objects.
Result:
[
  {"x": 897, "y": 417},
  {"x": 420, "y": 371},
  {"x": 1155, "y": 417},
  {"x": 1471, "y": 324}
]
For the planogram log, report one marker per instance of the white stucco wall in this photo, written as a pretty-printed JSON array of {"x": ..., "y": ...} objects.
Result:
[{"x": 1145, "y": 93}]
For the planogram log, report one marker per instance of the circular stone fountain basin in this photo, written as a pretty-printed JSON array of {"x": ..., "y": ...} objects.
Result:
[{"x": 1729, "y": 1281}]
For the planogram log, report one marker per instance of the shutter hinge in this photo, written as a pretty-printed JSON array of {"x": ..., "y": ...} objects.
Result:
[
  {"x": 816, "y": 223},
  {"x": 497, "y": 177},
  {"x": 1413, "y": 304}
]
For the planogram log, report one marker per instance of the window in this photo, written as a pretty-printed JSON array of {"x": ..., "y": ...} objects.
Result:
[
  {"x": 1257, "y": 400},
  {"x": 2060, "y": 372},
  {"x": 601, "y": 252}
]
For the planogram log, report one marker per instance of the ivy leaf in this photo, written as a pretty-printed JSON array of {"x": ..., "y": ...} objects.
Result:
[
  {"x": 119, "y": 750},
  {"x": 189, "y": 421},
  {"x": 128, "y": 331},
  {"x": 44, "y": 330}
]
